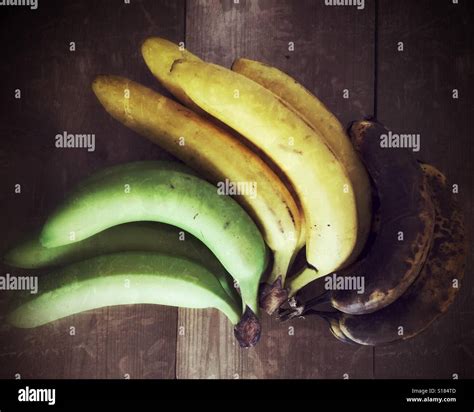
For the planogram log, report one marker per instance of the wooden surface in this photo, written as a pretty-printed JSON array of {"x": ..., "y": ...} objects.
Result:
[
  {"x": 414, "y": 95},
  {"x": 335, "y": 48}
]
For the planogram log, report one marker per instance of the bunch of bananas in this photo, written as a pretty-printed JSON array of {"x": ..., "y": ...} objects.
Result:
[
  {"x": 400, "y": 228},
  {"x": 414, "y": 260}
]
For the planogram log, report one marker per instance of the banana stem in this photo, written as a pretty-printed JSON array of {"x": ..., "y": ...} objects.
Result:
[
  {"x": 299, "y": 310},
  {"x": 272, "y": 293},
  {"x": 324, "y": 298},
  {"x": 329, "y": 317}
]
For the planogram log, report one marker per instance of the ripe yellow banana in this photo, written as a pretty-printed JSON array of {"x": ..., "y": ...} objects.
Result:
[
  {"x": 159, "y": 55},
  {"x": 320, "y": 180},
  {"x": 214, "y": 153},
  {"x": 316, "y": 114}
]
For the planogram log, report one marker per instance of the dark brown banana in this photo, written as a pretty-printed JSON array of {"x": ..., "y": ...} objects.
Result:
[
  {"x": 430, "y": 295},
  {"x": 401, "y": 231},
  {"x": 335, "y": 328},
  {"x": 435, "y": 288},
  {"x": 406, "y": 212}
]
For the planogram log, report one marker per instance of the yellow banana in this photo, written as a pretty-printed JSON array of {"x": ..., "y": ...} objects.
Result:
[
  {"x": 320, "y": 180},
  {"x": 316, "y": 114},
  {"x": 159, "y": 55},
  {"x": 214, "y": 153}
]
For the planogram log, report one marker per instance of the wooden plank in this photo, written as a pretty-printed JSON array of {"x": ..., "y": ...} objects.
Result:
[
  {"x": 333, "y": 50},
  {"x": 137, "y": 341},
  {"x": 415, "y": 95}
]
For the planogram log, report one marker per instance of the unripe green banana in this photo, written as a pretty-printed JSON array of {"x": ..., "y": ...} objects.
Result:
[
  {"x": 163, "y": 192},
  {"x": 214, "y": 153},
  {"x": 123, "y": 279},
  {"x": 140, "y": 237}
]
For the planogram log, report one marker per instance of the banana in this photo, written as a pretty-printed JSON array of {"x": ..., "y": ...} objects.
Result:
[
  {"x": 403, "y": 224},
  {"x": 159, "y": 55},
  {"x": 316, "y": 114},
  {"x": 406, "y": 224},
  {"x": 141, "y": 236},
  {"x": 435, "y": 288},
  {"x": 216, "y": 154},
  {"x": 123, "y": 279},
  {"x": 162, "y": 192},
  {"x": 337, "y": 332},
  {"x": 317, "y": 176}
]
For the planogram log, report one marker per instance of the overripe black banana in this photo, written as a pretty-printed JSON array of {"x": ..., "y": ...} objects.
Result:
[
  {"x": 433, "y": 291},
  {"x": 394, "y": 256}
]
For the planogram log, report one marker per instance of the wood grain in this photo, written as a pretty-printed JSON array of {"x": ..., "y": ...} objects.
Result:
[
  {"x": 136, "y": 341},
  {"x": 415, "y": 96},
  {"x": 333, "y": 50}
]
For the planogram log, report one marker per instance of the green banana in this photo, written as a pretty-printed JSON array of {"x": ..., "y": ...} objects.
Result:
[
  {"x": 122, "y": 279},
  {"x": 140, "y": 236},
  {"x": 214, "y": 153},
  {"x": 163, "y": 192}
]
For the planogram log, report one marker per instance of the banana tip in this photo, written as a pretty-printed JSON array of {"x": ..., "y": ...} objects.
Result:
[
  {"x": 146, "y": 45},
  {"x": 273, "y": 296},
  {"x": 98, "y": 83},
  {"x": 248, "y": 330}
]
